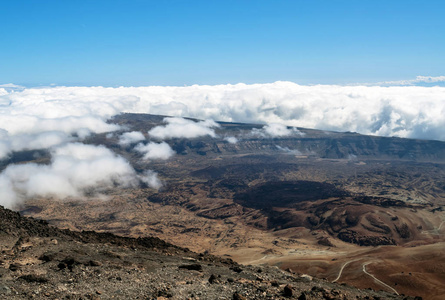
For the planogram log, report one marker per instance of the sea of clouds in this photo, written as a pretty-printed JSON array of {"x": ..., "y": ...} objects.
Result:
[
  {"x": 58, "y": 117},
  {"x": 404, "y": 111}
]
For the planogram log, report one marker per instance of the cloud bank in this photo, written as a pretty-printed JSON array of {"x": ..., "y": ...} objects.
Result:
[
  {"x": 161, "y": 151},
  {"x": 403, "y": 111},
  {"x": 420, "y": 80},
  {"x": 183, "y": 128},
  {"x": 75, "y": 169},
  {"x": 35, "y": 118}
]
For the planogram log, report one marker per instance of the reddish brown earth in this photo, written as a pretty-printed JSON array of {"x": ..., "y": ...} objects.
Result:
[
  {"x": 42, "y": 262},
  {"x": 343, "y": 199}
]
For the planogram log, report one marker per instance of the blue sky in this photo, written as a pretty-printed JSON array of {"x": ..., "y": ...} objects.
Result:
[{"x": 112, "y": 43}]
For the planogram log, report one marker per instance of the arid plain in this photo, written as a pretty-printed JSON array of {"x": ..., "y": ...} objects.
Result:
[{"x": 361, "y": 210}]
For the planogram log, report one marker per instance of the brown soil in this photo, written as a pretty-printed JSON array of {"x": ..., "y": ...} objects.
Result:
[
  {"x": 42, "y": 262},
  {"x": 258, "y": 204}
]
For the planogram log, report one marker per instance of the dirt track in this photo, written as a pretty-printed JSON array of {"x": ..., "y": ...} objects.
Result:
[{"x": 376, "y": 279}]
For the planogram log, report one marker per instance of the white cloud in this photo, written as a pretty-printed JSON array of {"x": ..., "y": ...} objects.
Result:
[
  {"x": 275, "y": 130},
  {"x": 20, "y": 124},
  {"x": 74, "y": 170},
  {"x": 39, "y": 141},
  {"x": 33, "y": 114},
  {"x": 131, "y": 137},
  {"x": 290, "y": 151},
  {"x": 24, "y": 132},
  {"x": 231, "y": 139},
  {"x": 11, "y": 85},
  {"x": 32, "y": 118},
  {"x": 418, "y": 81},
  {"x": 404, "y": 111},
  {"x": 25, "y": 141},
  {"x": 151, "y": 179},
  {"x": 183, "y": 128},
  {"x": 154, "y": 151}
]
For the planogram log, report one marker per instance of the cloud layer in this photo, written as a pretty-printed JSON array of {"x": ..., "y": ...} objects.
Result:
[
  {"x": 404, "y": 111},
  {"x": 35, "y": 118},
  {"x": 75, "y": 169},
  {"x": 420, "y": 80}
]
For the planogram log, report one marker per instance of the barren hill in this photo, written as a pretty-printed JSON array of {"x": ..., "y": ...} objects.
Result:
[
  {"x": 316, "y": 202},
  {"x": 43, "y": 262}
]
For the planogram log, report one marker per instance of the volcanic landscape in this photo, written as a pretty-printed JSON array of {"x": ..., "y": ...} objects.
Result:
[{"x": 345, "y": 208}]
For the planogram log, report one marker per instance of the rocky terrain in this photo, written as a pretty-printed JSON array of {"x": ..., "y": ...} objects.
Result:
[
  {"x": 43, "y": 262},
  {"x": 340, "y": 206}
]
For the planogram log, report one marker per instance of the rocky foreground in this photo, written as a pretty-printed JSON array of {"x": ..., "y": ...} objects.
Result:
[{"x": 42, "y": 262}]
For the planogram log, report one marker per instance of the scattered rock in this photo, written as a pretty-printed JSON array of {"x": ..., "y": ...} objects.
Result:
[
  {"x": 92, "y": 297},
  {"x": 165, "y": 293},
  {"x": 33, "y": 278},
  {"x": 317, "y": 289},
  {"x": 93, "y": 263},
  {"x": 69, "y": 263},
  {"x": 213, "y": 279},
  {"x": 303, "y": 296},
  {"x": 195, "y": 267},
  {"x": 14, "y": 267},
  {"x": 288, "y": 291},
  {"x": 306, "y": 277},
  {"x": 46, "y": 257},
  {"x": 148, "y": 274},
  {"x": 62, "y": 266},
  {"x": 238, "y": 296},
  {"x": 236, "y": 269}
]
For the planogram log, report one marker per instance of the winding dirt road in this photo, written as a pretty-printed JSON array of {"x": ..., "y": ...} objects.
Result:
[
  {"x": 341, "y": 270},
  {"x": 377, "y": 280},
  {"x": 434, "y": 231}
]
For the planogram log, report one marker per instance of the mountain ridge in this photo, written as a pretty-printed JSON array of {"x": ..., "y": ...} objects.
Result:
[{"x": 321, "y": 195}]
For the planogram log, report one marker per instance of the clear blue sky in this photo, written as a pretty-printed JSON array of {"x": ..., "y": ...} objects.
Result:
[{"x": 111, "y": 43}]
